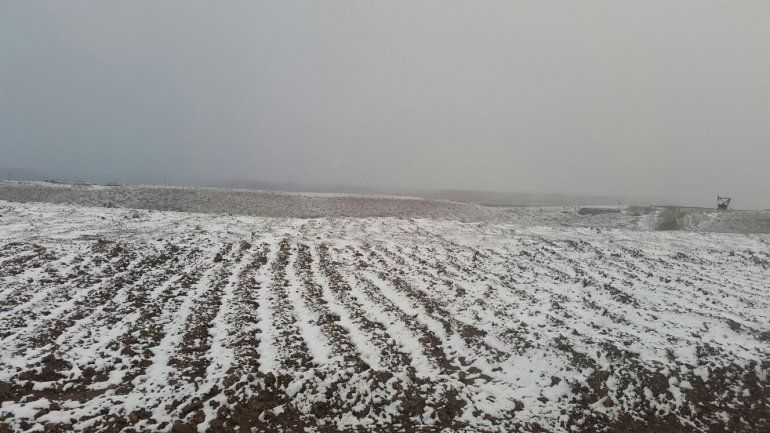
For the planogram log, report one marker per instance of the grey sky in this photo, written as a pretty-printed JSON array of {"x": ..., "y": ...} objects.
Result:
[{"x": 648, "y": 98}]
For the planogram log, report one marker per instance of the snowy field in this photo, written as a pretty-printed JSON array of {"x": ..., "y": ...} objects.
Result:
[
  {"x": 533, "y": 320},
  {"x": 308, "y": 205}
]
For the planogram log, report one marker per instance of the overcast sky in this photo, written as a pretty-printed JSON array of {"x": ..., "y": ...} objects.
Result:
[{"x": 666, "y": 99}]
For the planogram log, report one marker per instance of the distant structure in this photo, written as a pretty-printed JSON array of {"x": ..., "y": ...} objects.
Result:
[{"x": 723, "y": 203}]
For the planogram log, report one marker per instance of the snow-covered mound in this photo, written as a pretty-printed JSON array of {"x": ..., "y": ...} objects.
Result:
[
  {"x": 160, "y": 321},
  {"x": 703, "y": 220}
]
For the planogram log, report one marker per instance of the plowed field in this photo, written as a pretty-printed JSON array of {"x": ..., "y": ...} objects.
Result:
[{"x": 127, "y": 320}]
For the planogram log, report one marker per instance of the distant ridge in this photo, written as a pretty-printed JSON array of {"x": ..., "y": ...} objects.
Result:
[
  {"x": 13, "y": 173},
  {"x": 487, "y": 198}
]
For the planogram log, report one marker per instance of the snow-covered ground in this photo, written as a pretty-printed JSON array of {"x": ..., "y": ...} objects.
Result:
[
  {"x": 317, "y": 205},
  {"x": 542, "y": 321}
]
